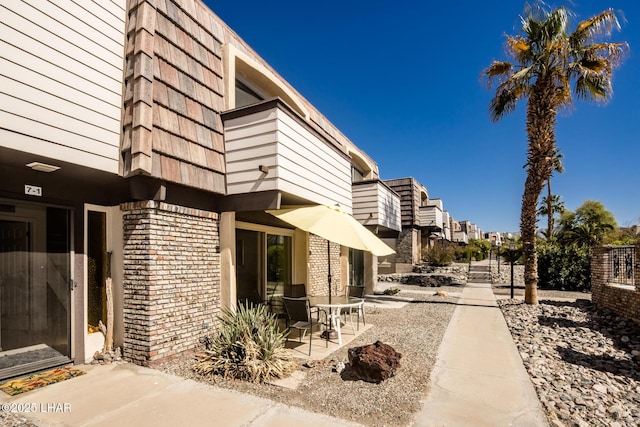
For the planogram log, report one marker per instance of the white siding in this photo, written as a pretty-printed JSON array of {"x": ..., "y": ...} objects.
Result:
[
  {"x": 375, "y": 204},
  {"x": 460, "y": 237},
  {"x": 435, "y": 202},
  {"x": 61, "y": 72},
  {"x": 446, "y": 225},
  {"x": 431, "y": 216},
  {"x": 299, "y": 162}
]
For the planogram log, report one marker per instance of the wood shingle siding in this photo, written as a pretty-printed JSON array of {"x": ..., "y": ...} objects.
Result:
[{"x": 174, "y": 95}]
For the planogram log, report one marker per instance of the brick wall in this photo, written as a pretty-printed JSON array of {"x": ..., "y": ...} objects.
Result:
[
  {"x": 319, "y": 267},
  {"x": 171, "y": 279},
  {"x": 623, "y": 300}
]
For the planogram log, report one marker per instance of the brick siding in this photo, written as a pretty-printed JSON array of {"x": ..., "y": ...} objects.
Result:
[
  {"x": 171, "y": 279},
  {"x": 319, "y": 267},
  {"x": 623, "y": 300}
]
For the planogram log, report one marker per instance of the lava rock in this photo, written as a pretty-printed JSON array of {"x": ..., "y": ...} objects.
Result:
[{"x": 375, "y": 362}]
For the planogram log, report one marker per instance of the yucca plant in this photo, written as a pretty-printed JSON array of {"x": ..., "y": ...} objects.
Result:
[{"x": 248, "y": 345}]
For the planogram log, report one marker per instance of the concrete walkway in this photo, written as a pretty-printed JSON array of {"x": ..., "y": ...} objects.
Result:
[
  {"x": 129, "y": 395},
  {"x": 479, "y": 378}
]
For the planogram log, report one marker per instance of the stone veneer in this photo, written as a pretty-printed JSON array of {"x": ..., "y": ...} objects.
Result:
[
  {"x": 407, "y": 248},
  {"x": 171, "y": 279},
  {"x": 623, "y": 300},
  {"x": 319, "y": 267}
]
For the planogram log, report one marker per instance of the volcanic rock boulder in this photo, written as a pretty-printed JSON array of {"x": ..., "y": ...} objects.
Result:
[{"x": 374, "y": 362}]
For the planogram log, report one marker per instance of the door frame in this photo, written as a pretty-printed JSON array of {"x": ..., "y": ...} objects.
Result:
[
  {"x": 36, "y": 215},
  {"x": 266, "y": 229}
]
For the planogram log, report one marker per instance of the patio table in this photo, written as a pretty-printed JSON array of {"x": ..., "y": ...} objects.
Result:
[{"x": 334, "y": 304}]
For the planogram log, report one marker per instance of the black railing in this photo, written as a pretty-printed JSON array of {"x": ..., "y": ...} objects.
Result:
[{"x": 622, "y": 261}]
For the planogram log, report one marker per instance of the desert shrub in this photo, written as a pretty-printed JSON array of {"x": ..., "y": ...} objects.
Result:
[
  {"x": 564, "y": 267},
  {"x": 440, "y": 256},
  {"x": 248, "y": 345}
]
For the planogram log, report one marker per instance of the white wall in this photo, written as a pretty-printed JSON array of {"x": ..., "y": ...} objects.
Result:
[
  {"x": 431, "y": 216},
  {"x": 375, "y": 204},
  {"x": 61, "y": 72},
  {"x": 300, "y": 163}
]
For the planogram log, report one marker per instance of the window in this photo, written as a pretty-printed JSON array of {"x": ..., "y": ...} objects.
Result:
[
  {"x": 356, "y": 174},
  {"x": 245, "y": 95},
  {"x": 264, "y": 263}
]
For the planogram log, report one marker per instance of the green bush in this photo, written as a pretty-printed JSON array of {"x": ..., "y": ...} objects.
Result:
[
  {"x": 564, "y": 268},
  {"x": 248, "y": 346}
]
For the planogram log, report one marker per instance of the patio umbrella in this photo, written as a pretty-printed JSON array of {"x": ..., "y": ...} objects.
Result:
[{"x": 335, "y": 225}]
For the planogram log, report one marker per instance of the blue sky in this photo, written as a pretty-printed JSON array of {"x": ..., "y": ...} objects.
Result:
[{"x": 401, "y": 80}]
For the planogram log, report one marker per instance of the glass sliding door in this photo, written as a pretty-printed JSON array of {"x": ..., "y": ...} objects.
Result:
[
  {"x": 264, "y": 264},
  {"x": 356, "y": 267},
  {"x": 35, "y": 279},
  {"x": 249, "y": 265},
  {"x": 279, "y": 268}
]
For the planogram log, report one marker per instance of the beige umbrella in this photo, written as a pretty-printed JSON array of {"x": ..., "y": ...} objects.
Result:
[{"x": 335, "y": 225}]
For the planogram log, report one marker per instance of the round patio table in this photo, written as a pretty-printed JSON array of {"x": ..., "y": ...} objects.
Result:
[{"x": 334, "y": 304}]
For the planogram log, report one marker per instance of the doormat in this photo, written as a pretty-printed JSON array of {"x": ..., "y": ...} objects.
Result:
[{"x": 41, "y": 379}]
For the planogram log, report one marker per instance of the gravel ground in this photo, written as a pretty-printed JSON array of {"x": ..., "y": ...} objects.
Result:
[
  {"x": 518, "y": 291},
  {"x": 415, "y": 331},
  {"x": 10, "y": 419},
  {"x": 583, "y": 361}
]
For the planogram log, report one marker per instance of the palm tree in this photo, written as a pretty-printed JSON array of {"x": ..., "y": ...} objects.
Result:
[
  {"x": 549, "y": 205},
  {"x": 557, "y": 167},
  {"x": 547, "y": 62},
  {"x": 587, "y": 234}
]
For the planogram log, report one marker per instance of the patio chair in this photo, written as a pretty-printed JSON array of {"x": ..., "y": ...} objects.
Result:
[
  {"x": 357, "y": 292},
  {"x": 299, "y": 317},
  {"x": 295, "y": 290},
  {"x": 299, "y": 290}
]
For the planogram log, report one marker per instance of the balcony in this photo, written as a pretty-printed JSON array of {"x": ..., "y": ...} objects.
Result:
[
  {"x": 431, "y": 217},
  {"x": 460, "y": 237},
  {"x": 269, "y": 147},
  {"x": 375, "y": 204}
]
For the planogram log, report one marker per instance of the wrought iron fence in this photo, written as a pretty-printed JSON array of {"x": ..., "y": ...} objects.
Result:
[{"x": 622, "y": 261}]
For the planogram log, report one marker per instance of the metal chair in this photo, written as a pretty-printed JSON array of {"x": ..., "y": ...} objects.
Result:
[
  {"x": 299, "y": 317},
  {"x": 295, "y": 290}
]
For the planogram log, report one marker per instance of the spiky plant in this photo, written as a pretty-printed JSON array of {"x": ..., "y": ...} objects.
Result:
[{"x": 249, "y": 346}]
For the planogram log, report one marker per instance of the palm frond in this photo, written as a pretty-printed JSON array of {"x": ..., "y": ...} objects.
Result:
[
  {"x": 499, "y": 70},
  {"x": 593, "y": 87},
  {"x": 614, "y": 52},
  {"x": 602, "y": 24},
  {"x": 503, "y": 103}
]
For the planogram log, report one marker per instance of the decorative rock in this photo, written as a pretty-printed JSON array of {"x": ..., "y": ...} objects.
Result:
[
  {"x": 583, "y": 361},
  {"x": 374, "y": 362},
  {"x": 600, "y": 388}
]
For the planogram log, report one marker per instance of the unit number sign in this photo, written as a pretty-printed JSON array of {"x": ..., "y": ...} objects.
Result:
[{"x": 32, "y": 190}]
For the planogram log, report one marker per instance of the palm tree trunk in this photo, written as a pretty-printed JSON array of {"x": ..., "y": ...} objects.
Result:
[
  {"x": 528, "y": 228},
  {"x": 541, "y": 120},
  {"x": 549, "y": 211}
]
